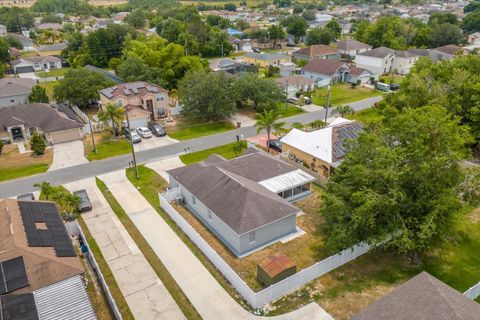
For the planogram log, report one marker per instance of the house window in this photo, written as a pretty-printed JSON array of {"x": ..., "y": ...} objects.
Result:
[
  {"x": 31, "y": 130},
  {"x": 252, "y": 237},
  {"x": 194, "y": 201},
  {"x": 160, "y": 98},
  {"x": 119, "y": 102},
  {"x": 12, "y": 100},
  {"x": 37, "y": 65},
  {"x": 209, "y": 213}
]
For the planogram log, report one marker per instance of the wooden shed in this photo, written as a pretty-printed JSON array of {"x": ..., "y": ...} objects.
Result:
[{"x": 275, "y": 268}]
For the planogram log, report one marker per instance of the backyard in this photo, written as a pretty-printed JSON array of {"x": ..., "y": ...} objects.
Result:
[
  {"x": 366, "y": 116},
  {"x": 14, "y": 164},
  {"x": 53, "y": 73},
  {"x": 49, "y": 87},
  {"x": 350, "y": 288},
  {"x": 304, "y": 250},
  {"x": 107, "y": 146},
  {"x": 185, "y": 129},
  {"x": 342, "y": 94}
]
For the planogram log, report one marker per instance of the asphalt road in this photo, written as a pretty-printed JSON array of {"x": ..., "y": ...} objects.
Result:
[{"x": 23, "y": 185}]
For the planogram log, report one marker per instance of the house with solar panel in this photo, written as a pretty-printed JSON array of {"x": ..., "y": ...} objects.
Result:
[
  {"x": 142, "y": 101},
  {"x": 321, "y": 150},
  {"x": 41, "y": 276}
]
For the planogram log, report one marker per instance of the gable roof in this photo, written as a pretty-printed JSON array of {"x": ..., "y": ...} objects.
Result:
[
  {"x": 36, "y": 59},
  {"x": 128, "y": 89},
  {"x": 322, "y": 66},
  {"x": 327, "y": 144},
  {"x": 380, "y": 52},
  {"x": 450, "y": 49},
  {"x": 351, "y": 44},
  {"x": 45, "y": 116},
  {"x": 355, "y": 71},
  {"x": 406, "y": 54},
  {"x": 15, "y": 86},
  {"x": 230, "y": 189},
  {"x": 316, "y": 51},
  {"x": 294, "y": 80},
  {"x": 422, "y": 297}
]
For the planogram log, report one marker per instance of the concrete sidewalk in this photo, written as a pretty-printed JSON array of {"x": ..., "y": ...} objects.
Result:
[
  {"x": 145, "y": 294},
  {"x": 201, "y": 288}
]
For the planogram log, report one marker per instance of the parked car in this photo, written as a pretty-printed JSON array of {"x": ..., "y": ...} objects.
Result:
[
  {"x": 156, "y": 129},
  {"x": 275, "y": 145},
  {"x": 144, "y": 132},
  {"x": 380, "y": 86},
  {"x": 26, "y": 196},
  {"x": 307, "y": 100},
  {"x": 292, "y": 100},
  {"x": 135, "y": 136},
  {"x": 85, "y": 203},
  {"x": 257, "y": 50},
  {"x": 394, "y": 86}
]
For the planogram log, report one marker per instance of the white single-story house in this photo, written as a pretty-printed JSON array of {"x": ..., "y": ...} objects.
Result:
[
  {"x": 294, "y": 84},
  {"x": 36, "y": 63},
  {"x": 56, "y": 122},
  {"x": 245, "y": 201},
  {"x": 325, "y": 72},
  {"x": 15, "y": 91}
]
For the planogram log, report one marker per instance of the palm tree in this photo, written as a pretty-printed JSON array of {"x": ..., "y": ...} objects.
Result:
[
  {"x": 317, "y": 124},
  {"x": 112, "y": 113},
  {"x": 268, "y": 120},
  {"x": 298, "y": 125},
  {"x": 344, "y": 110}
]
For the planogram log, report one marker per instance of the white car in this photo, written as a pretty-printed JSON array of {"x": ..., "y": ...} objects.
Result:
[{"x": 144, "y": 132}]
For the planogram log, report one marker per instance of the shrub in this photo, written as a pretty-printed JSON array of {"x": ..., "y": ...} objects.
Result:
[{"x": 37, "y": 144}]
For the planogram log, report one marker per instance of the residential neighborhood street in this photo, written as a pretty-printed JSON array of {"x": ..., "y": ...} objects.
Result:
[{"x": 86, "y": 170}]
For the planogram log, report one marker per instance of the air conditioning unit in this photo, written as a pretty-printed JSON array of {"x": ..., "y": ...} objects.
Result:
[{"x": 179, "y": 199}]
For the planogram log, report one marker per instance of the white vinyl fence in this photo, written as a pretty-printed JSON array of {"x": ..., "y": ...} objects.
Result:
[
  {"x": 279, "y": 289},
  {"x": 473, "y": 292},
  {"x": 73, "y": 228}
]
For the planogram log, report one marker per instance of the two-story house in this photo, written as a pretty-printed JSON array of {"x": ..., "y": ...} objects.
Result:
[
  {"x": 377, "y": 61},
  {"x": 352, "y": 47},
  {"x": 142, "y": 100}
]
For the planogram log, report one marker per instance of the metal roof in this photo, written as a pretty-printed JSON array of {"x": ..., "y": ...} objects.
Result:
[
  {"x": 287, "y": 181},
  {"x": 66, "y": 299}
]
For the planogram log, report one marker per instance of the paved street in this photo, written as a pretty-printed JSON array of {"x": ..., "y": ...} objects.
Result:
[
  {"x": 209, "y": 298},
  {"x": 82, "y": 171},
  {"x": 146, "y": 295}
]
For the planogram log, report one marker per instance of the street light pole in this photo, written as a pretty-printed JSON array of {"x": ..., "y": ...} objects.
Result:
[
  {"x": 286, "y": 97},
  {"x": 328, "y": 104},
  {"x": 133, "y": 149},
  {"x": 93, "y": 139}
]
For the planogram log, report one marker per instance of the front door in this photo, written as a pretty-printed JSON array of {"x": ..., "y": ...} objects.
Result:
[
  {"x": 17, "y": 133},
  {"x": 150, "y": 109}
]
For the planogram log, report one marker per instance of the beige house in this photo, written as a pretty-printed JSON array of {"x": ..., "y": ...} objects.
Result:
[
  {"x": 142, "y": 100},
  {"x": 321, "y": 150}
]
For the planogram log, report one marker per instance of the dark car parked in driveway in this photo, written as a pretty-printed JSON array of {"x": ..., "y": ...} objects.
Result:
[
  {"x": 275, "y": 145},
  {"x": 85, "y": 203},
  {"x": 394, "y": 86},
  {"x": 26, "y": 196},
  {"x": 156, "y": 129}
]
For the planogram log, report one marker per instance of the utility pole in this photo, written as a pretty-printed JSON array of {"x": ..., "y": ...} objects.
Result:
[
  {"x": 328, "y": 104},
  {"x": 286, "y": 97},
  {"x": 93, "y": 139},
  {"x": 222, "y": 49},
  {"x": 133, "y": 149}
]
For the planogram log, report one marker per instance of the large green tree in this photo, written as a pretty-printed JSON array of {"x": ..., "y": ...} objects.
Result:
[
  {"x": 471, "y": 23},
  {"x": 296, "y": 26},
  {"x": 319, "y": 36},
  {"x": 398, "y": 181},
  {"x": 80, "y": 87},
  {"x": 207, "y": 94},
  {"x": 38, "y": 94},
  {"x": 251, "y": 90}
]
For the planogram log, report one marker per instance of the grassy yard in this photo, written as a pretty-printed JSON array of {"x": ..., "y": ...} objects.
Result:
[
  {"x": 350, "y": 288},
  {"x": 162, "y": 272},
  {"x": 107, "y": 146},
  {"x": 393, "y": 78},
  {"x": 41, "y": 53},
  {"x": 14, "y": 165},
  {"x": 289, "y": 111},
  {"x": 186, "y": 129},
  {"x": 304, "y": 250},
  {"x": 366, "y": 116},
  {"x": 342, "y": 94},
  {"x": 49, "y": 87},
  {"x": 149, "y": 185},
  {"x": 53, "y": 73},
  {"x": 107, "y": 273},
  {"x": 227, "y": 151}
]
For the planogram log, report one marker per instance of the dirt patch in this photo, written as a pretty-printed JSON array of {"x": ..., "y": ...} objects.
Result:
[
  {"x": 304, "y": 250},
  {"x": 474, "y": 216},
  {"x": 249, "y": 112},
  {"x": 11, "y": 158}
]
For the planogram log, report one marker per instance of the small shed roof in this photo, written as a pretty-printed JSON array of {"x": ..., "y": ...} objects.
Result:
[{"x": 275, "y": 264}]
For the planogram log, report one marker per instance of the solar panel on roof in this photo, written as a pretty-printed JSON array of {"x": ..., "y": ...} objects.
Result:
[
  {"x": 18, "y": 306},
  {"x": 14, "y": 275},
  {"x": 125, "y": 90}
]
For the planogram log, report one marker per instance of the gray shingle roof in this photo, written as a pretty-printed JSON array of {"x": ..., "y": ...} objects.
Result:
[
  {"x": 230, "y": 190},
  {"x": 422, "y": 297},
  {"x": 381, "y": 52},
  {"x": 351, "y": 44},
  {"x": 322, "y": 66},
  {"x": 15, "y": 86}
]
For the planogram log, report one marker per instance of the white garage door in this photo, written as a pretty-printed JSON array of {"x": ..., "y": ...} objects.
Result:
[
  {"x": 138, "y": 123},
  {"x": 65, "y": 135}
]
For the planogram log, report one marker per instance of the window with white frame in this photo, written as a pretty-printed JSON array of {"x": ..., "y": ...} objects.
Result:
[
  {"x": 119, "y": 102},
  {"x": 209, "y": 213},
  {"x": 160, "y": 97},
  {"x": 252, "y": 237},
  {"x": 194, "y": 200}
]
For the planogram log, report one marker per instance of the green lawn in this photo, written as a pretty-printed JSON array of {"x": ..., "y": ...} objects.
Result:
[
  {"x": 189, "y": 129},
  {"x": 53, "y": 73},
  {"x": 342, "y": 94},
  {"x": 394, "y": 78},
  {"x": 49, "y": 87},
  {"x": 366, "y": 116},
  {"x": 149, "y": 185},
  {"x": 22, "y": 171},
  {"x": 162, "y": 272},
  {"x": 226, "y": 151},
  {"x": 289, "y": 111},
  {"x": 106, "y": 272},
  {"x": 106, "y": 147}
]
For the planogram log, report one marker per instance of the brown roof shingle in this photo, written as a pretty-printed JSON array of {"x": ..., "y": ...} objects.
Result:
[
  {"x": 316, "y": 51},
  {"x": 322, "y": 66}
]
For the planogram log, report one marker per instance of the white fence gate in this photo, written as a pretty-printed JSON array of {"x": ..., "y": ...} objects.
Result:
[
  {"x": 473, "y": 292},
  {"x": 275, "y": 291}
]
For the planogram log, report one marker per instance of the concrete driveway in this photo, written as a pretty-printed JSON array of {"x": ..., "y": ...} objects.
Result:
[
  {"x": 154, "y": 142},
  {"x": 145, "y": 294},
  {"x": 67, "y": 154}
]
